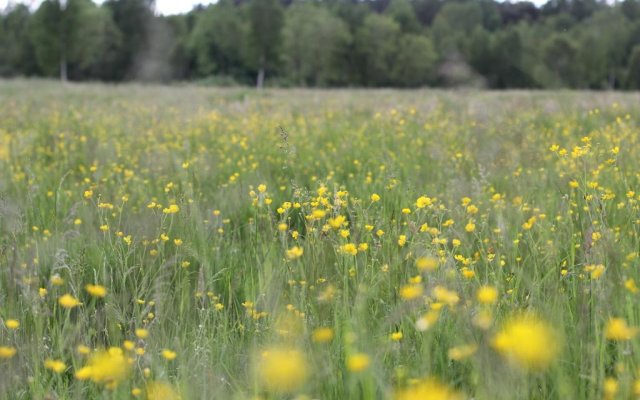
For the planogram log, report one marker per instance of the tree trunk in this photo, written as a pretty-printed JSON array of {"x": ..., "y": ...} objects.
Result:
[
  {"x": 260, "y": 80},
  {"x": 63, "y": 69}
]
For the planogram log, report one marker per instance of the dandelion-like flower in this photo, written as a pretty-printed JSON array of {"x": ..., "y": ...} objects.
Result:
[
  {"x": 282, "y": 370},
  {"x": 528, "y": 342}
]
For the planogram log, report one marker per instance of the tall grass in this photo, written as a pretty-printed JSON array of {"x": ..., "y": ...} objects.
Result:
[{"x": 240, "y": 231}]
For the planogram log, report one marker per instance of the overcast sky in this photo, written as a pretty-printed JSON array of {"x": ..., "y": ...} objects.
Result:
[{"x": 166, "y": 7}]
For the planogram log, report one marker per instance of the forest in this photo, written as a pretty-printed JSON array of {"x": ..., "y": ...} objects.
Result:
[{"x": 578, "y": 44}]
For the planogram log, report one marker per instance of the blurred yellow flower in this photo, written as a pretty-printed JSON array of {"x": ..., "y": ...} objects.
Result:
[
  {"x": 295, "y": 252},
  {"x": 282, "y": 370},
  {"x": 68, "y": 301},
  {"x": 157, "y": 390},
  {"x": 169, "y": 354},
  {"x": 428, "y": 389},
  {"x": 427, "y": 263},
  {"x": 142, "y": 333},
  {"x": 411, "y": 292},
  {"x": 12, "y": 323},
  {"x": 106, "y": 367},
  {"x": 358, "y": 362},
  {"x": 617, "y": 329},
  {"x": 396, "y": 336},
  {"x": 96, "y": 290},
  {"x": 56, "y": 366},
  {"x": 322, "y": 335},
  {"x": 7, "y": 352},
  {"x": 461, "y": 352},
  {"x": 528, "y": 342},
  {"x": 446, "y": 296},
  {"x": 172, "y": 209},
  {"x": 487, "y": 295}
]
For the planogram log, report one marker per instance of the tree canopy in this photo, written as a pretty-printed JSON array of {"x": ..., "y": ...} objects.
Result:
[{"x": 582, "y": 44}]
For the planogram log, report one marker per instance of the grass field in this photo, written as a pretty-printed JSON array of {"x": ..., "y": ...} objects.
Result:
[{"x": 181, "y": 242}]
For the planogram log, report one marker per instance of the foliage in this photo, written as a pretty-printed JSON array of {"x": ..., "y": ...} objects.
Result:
[{"x": 582, "y": 44}]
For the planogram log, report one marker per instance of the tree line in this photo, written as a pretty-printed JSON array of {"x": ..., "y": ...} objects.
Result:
[{"x": 584, "y": 44}]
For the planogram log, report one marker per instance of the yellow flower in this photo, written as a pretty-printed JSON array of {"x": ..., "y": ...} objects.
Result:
[
  {"x": 12, "y": 323},
  {"x": 427, "y": 321},
  {"x": 423, "y": 202},
  {"x": 96, "y": 290},
  {"x": 402, "y": 240},
  {"x": 68, "y": 301},
  {"x": 56, "y": 366},
  {"x": 358, "y": 362},
  {"x": 461, "y": 352},
  {"x": 411, "y": 292},
  {"x": 42, "y": 292},
  {"x": 157, "y": 390},
  {"x": 262, "y": 188},
  {"x": 106, "y": 367},
  {"x": 396, "y": 336},
  {"x": 429, "y": 389},
  {"x": 322, "y": 335},
  {"x": 7, "y": 352},
  {"x": 427, "y": 264},
  {"x": 470, "y": 227},
  {"x": 172, "y": 209},
  {"x": 610, "y": 388},
  {"x": 169, "y": 354},
  {"x": 56, "y": 280},
  {"x": 142, "y": 333},
  {"x": 617, "y": 329},
  {"x": 375, "y": 197},
  {"x": 282, "y": 370},
  {"x": 337, "y": 222},
  {"x": 445, "y": 296},
  {"x": 82, "y": 349},
  {"x": 349, "y": 248},
  {"x": 295, "y": 252},
  {"x": 487, "y": 295},
  {"x": 528, "y": 342}
]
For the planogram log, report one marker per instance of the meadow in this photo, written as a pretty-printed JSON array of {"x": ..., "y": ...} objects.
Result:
[{"x": 197, "y": 243}]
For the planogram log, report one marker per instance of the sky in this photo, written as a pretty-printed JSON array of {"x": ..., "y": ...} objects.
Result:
[{"x": 165, "y": 7}]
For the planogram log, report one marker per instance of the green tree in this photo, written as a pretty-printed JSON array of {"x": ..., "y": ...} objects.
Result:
[
  {"x": 16, "y": 51},
  {"x": 376, "y": 41},
  {"x": 453, "y": 26},
  {"x": 218, "y": 40},
  {"x": 66, "y": 34},
  {"x": 265, "y": 19},
  {"x": 415, "y": 61},
  {"x": 403, "y": 13},
  {"x": 559, "y": 55},
  {"x": 132, "y": 19},
  {"x": 633, "y": 70},
  {"x": 314, "y": 45}
]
